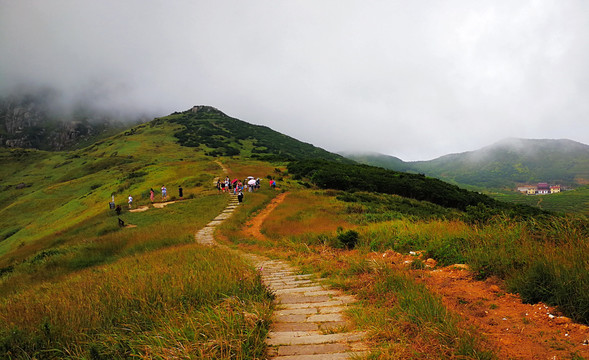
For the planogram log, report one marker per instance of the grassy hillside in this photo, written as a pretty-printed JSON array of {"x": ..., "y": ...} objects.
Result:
[
  {"x": 74, "y": 284},
  {"x": 217, "y": 134},
  {"x": 502, "y": 165},
  {"x": 328, "y": 175},
  {"x": 380, "y": 160},
  {"x": 514, "y": 161},
  {"x": 572, "y": 201}
]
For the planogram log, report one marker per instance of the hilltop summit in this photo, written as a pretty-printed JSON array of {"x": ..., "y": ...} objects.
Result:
[{"x": 206, "y": 109}]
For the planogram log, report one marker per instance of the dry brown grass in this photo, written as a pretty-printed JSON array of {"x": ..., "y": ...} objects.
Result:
[{"x": 306, "y": 212}]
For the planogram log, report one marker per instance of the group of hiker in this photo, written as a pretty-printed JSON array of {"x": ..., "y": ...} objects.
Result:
[
  {"x": 236, "y": 186},
  {"x": 164, "y": 192}
]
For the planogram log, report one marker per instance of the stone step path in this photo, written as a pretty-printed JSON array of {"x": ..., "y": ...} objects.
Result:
[
  {"x": 205, "y": 235},
  {"x": 309, "y": 322}
]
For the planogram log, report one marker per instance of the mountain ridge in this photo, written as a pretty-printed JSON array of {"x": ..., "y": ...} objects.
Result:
[{"x": 503, "y": 164}]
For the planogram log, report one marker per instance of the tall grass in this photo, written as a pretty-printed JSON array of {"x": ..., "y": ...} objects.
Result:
[
  {"x": 541, "y": 260},
  {"x": 100, "y": 240},
  {"x": 184, "y": 301},
  {"x": 401, "y": 312},
  {"x": 405, "y": 319}
]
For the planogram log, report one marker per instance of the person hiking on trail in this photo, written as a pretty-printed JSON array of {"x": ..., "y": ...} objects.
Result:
[
  {"x": 151, "y": 194},
  {"x": 180, "y": 191},
  {"x": 219, "y": 185},
  {"x": 130, "y": 201},
  {"x": 240, "y": 196},
  {"x": 118, "y": 209},
  {"x": 164, "y": 193}
]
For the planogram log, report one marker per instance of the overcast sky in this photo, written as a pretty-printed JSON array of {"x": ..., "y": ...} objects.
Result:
[{"x": 415, "y": 79}]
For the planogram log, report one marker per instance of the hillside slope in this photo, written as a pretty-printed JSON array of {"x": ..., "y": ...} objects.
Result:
[
  {"x": 45, "y": 192},
  {"x": 512, "y": 161},
  {"x": 504, "y": 164},
  {"x": 210, "y": 129}
]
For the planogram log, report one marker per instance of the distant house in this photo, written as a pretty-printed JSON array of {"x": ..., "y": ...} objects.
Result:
[
  {"x": 543, "y": 189},
  {"x": 540, "y": 189}
]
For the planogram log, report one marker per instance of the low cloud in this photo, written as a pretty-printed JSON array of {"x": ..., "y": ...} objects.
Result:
[{"x": 415, "y": 80}]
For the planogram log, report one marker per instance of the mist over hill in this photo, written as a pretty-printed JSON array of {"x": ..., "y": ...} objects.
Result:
[
  {"x": 506, "y": 163},
  {"x": 42, "y": 118}
]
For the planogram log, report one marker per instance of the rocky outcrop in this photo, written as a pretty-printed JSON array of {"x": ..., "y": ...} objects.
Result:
[{"x": 32, "y": 121}]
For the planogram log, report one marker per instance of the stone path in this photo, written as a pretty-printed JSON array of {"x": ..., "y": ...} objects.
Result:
[
  {"x": 205, "y": 235},
  {"x": 309, "y": 322}
]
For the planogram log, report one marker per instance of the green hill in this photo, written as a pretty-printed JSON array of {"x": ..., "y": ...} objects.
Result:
[
  {"x": 380, "y": 160},
  {"x": 218, "y": 134},
  {"x": 354, "y": 177},
  {"x": 574, "y": 201},
  {"x": 50, "y": 192},
  {"x": 514, "y": 161},
  {"x": 504, "y": 164}
]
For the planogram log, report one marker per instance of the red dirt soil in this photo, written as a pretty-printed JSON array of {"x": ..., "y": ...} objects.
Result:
[
  {"x": 520, "y": 331},
  {"x": 516, "y": 330},
  {"x": 253, "y": 227}
]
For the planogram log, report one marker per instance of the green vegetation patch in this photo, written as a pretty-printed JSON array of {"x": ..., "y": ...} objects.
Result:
[
  {"x": 331, "y": 175},
  {"x": 221, "y": 135}
]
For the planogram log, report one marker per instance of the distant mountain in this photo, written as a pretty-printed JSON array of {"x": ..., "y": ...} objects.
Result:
[
  {"x": 376, "y": 159},
  {"x": 505, "y": 164},
  {"x": 217, "y": 134},
  {"x": 36, "y": 120}
]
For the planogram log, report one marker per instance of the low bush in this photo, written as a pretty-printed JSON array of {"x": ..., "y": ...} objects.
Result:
[{"x": 348, "y": 238}]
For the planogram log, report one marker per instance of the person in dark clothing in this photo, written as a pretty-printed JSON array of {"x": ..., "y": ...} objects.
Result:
[
  {"x": 180, "y": 191},
  {"x": 118, "y": 209},
  {"x": 240, "y": 196}
]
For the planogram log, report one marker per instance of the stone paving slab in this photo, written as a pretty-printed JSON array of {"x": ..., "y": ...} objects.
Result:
[
  {"x": 290, "y": 327},
  {"x": 311, "y": 349},
  {"x": 311, "y": 337},
  {"x": 301, "y": 299},
  {"x": 307, "y": 311},
  {"x": 327, "y": 356},
  {"x": 331, "y": 302},
  {"x": 333, "y": 326},
  {"x": 300, "y": 289},
  {"x": 325, "y": 318}
]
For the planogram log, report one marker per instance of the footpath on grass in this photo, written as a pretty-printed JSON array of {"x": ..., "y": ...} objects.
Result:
[{"x": 309, "y": 322}]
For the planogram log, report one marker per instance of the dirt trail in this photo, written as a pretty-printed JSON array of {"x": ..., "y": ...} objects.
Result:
[
  {"x": 254, "y": 226},
  {"x": 155, "y": 205}
]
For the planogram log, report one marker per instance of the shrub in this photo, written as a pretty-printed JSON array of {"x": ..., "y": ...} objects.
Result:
[{"x": 348, "y": 239}]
